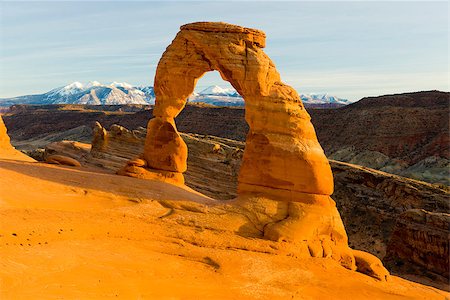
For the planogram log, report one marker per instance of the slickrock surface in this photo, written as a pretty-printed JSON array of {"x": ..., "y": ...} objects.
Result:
[
  {"x": 74, "y": 233},
  {"x": 83, "y": 233},
  {"x": 75, "y": 150},
  {"x": 369, "y": 201},
  {"x": 4, "y": 138}
]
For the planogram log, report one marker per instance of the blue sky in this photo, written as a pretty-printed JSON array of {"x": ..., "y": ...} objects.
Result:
[{"x": 349, "y": 49}]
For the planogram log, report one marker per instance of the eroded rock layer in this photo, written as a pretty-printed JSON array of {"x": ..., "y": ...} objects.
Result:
[{"x": 420, "y": 242}]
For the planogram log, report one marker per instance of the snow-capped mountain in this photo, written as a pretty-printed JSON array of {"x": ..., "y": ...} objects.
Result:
[
  {"x": 216, "y": 90},
  {"x": 116, "y": 93},
  {"x": 216, "y": 95},
  {"x": 93, "y": 93},
  {"x": 323, "y": 99}
]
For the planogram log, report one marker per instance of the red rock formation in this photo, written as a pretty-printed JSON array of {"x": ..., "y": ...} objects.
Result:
[
  {"x": 62, "y": 160},
  {"x": 285, "y": 181},
  {"x": 7, "y": 151},
  {"x": 4, "y": 138},
  {"x": 420, "y": 240}
]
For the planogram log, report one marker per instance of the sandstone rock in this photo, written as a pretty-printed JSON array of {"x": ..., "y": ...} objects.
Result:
[
  {"x": 37, "y": 154},
  {"x": 370, "y": 264},
  {"x": 132, "y": 170},
  {"x": 7, "y": 151},
  {"x": 99, "y": 138},
  {"x": 420, "y": 243},
  {"x": 138, "y": 162},
  {"x": 373, "y": 203},
  {"x": 288, "y": 140},
  {"x": 164, "y": 147},
  {"x": 62, "y": 160},
  {"x": 112, "y": 149},
  {"x": 216, "y": 148},
  {"x": 4, "y": 138},
  {"x": 213, "y": 173},
  {"x": 76, "y": 150},
  {"x": 370, "y": 201},
  {"x": 143, "y": 237},
  {"x": 283, "y": 160}
]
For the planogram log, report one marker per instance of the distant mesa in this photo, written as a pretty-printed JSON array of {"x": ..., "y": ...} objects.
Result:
[{"x": 119, "y": 93}]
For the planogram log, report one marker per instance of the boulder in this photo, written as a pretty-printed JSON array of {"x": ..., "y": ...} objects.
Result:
[{"x": 62, "y": 160}]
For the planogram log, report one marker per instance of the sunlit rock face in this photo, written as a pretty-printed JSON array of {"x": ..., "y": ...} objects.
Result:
[
  {"x": 285, "y": 180},
  {"x": 7, "y": 151},
  {"x": 4, "y": 138}
]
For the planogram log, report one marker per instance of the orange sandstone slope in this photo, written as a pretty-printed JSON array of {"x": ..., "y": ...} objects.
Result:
[
  {"x": 73, "y": 233},
  {"x": 6, "y": 149}
]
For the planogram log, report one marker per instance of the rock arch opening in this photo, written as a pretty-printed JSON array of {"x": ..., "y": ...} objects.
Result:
[
  {"x": 212, "y": 89},
  {"x": 214, "y": 160}
]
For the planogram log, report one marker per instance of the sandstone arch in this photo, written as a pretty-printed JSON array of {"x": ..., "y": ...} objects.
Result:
[
  {"x": 282, "y": 151},
  {"x": 285, "y": 180}
]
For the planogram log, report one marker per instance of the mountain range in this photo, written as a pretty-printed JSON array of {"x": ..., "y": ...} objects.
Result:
[
  {"x": 117, "y": 93},
  {"x": 93, "y": 93}
]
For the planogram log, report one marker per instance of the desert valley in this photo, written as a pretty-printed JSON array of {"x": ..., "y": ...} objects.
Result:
[{"x": 200, "y": 196}]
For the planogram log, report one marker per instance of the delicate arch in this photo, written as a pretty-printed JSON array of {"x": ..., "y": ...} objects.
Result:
[
  {"x": 282, "y": 154},
  {"x": 283, "y": 161}
]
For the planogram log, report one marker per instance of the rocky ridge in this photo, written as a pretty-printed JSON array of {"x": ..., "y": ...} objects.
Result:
[{"x": 409, "y": 134}]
